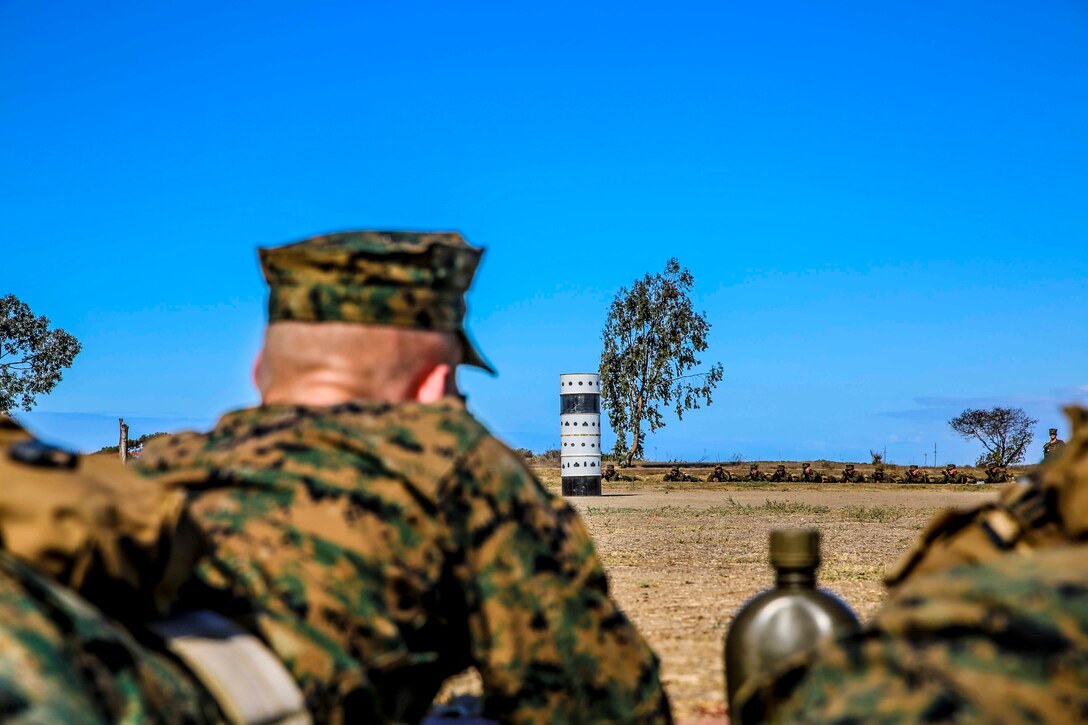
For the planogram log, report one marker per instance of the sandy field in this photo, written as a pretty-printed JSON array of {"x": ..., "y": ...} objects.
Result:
[{"x": 682, "y": 557}]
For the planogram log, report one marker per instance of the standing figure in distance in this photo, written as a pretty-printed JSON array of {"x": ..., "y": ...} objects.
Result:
[
  {"x": 719, "y": 475},
  {"x": 1053, "y": 445}
]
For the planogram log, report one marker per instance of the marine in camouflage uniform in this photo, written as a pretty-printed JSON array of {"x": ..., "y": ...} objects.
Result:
[
  {"x": 754, "y": 473},
  {"x": 878, "y": 475},
  {"x": 996, "y": 474},
  {"x": 719, "y": 475},
  {"x": 914, "y": 474},
  {"x": 849, "y": 475},
  {"x": 1052, "y": 446},
  {"x": 987, "y": 622},
  {"x": 382, "y": 548},
  {"x": 674, "y": 474},
  {"x": 952, "y": 475},
  {"x": 780, "y": 475},
  {"x": 810, "y": 475}
]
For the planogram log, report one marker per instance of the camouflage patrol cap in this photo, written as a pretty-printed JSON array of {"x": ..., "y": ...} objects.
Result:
[
  {"x": 1053, "y": 431},
  {"x": 951, "y": 465},
  {"x": 850, "y": 467},
  {"x": 403, "y": 279}
]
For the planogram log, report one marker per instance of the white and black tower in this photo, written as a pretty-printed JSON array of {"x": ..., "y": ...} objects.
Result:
[{"x": 580, "y": 421}]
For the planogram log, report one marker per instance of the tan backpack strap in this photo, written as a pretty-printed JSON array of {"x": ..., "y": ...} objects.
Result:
[{"x": 250, "y": 684}]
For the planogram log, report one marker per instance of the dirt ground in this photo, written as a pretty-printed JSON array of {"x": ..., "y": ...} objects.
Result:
[{"x": 682, "y": 557}]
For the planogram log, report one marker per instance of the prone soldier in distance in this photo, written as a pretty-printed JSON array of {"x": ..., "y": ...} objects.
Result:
[
  {"x": 810, "y": 475},
  {"x": 914, "y": 474},
  {"x": 996, "y": 474},
  {"x": 849, "y": 475},
  {"x": 878, "y": 475},
  {"x": 780, "y": 475},
  {"x": 719, "y": 475},
  {"x": 754, "y": 473},
  {"x": 675, "y": 474},
  {"x": 611, "y": 474},
  {"x": 952, "y": 475}
]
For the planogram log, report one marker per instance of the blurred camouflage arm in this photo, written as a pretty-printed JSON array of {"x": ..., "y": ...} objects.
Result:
[
  {"x": 123, "y": 542},
  {"x": 549, "y": 642},
  {"x": 1005, "y": 641}
]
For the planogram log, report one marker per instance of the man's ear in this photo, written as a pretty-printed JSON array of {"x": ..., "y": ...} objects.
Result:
[{"x": 435, "y": 384}]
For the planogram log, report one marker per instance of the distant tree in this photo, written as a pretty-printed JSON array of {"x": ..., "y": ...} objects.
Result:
[
  {"x": 877, "y": 458},
  {"x": 552, "y": 454},
  {"x": 650, "y": 339},
  {"x": 1005, "y": 433},
  {"x": 523, "y": 452},
  {"x": 32, "y": 355}
]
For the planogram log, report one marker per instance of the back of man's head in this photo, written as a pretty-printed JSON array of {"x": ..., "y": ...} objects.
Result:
[{"x": 329, "y": 363}]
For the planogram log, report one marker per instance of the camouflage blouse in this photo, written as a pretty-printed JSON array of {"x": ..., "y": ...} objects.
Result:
[{"x": 380, "y": 549}]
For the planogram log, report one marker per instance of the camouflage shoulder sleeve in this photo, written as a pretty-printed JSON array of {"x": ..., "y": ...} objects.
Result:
[
  {"x": 61, "y": 661},
  {"x": 1004, "y": 641},
  {"x": 92, "y": 524},
  {"x": 548, "y": 641}
]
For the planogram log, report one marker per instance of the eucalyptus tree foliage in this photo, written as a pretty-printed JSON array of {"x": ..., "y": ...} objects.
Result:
[
  {"x": 1005, "y": 433},
  {"x": 32, "y": 355},
  {"x": 651, "y": 339}
]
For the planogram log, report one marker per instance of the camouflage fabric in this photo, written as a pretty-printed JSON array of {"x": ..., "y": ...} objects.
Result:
[
  {"x": 810, "y": 475},
  {"x": 403, "y": 279},
  {"x": 879, "y": 476},
  {"x": 61, "y": 661},
  {"x": 1002, "y": 642},
  {"x": 380, "y": 549},
  {"x": 994, "y": 474}
]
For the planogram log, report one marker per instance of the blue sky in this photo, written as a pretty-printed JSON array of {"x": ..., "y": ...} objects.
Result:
[{"x": 883, "y": 207}]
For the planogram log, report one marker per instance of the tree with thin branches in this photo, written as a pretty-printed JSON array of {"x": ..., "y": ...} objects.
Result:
[
  {"x": 1005, "y": 433},
  {"x": 651, "y": 339},
  {"x": 32, "y": 355}
]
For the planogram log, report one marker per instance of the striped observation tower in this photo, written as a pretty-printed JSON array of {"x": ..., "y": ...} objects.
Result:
[{"x": 580, "y": 433}]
